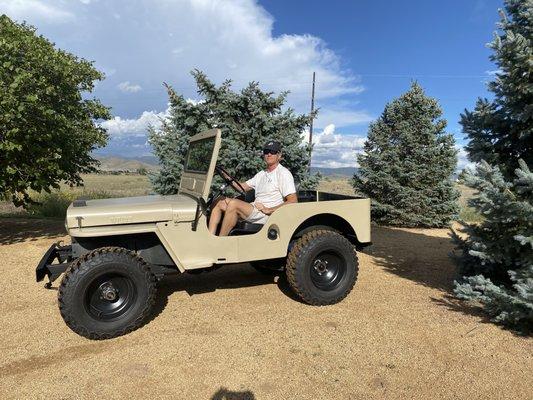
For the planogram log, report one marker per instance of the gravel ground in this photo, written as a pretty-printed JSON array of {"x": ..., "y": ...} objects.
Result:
[{"x": 237, "y": 334}]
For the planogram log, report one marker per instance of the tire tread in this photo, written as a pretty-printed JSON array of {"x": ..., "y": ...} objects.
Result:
[
  {"x": 80, "y": 267},
  {"x": 301, "y": 246}
]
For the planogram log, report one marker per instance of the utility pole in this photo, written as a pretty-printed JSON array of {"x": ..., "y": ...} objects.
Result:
[{"x": 311, "y": 126}]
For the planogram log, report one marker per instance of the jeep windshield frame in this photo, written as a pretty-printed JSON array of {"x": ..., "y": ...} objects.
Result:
[{"x": 200, "y": 164}]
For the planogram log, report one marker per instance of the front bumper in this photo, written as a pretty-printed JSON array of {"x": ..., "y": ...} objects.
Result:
[{"x": 63, "y": 255}]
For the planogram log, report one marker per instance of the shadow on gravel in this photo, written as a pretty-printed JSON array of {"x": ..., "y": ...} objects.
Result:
[
  {"x": 415, "y": 256},
  {"x": 425, "y": 260},
  {"x": 228, "y": 277},
  {"x": 17, "y": 230},
  {"x": 232, "y": 276},
  {"x": 225, "y": 394},
  {"x": 464, "y": 307}
]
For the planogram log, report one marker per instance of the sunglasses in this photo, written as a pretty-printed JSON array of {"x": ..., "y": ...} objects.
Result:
[{"x": 273, "y": 152}]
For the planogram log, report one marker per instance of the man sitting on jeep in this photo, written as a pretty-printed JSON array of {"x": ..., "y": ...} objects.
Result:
[{"x": 274, "y": 187}]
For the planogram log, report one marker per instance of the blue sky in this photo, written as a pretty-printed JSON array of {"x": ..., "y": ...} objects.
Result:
[{"x": 365, "y": 53}]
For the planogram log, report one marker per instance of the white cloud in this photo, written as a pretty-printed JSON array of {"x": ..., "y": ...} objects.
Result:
[
  {"x": 163, "y": 40},
  {"x": 127, "y": 87},
  {"x": 237, "y": 43},
  {"x": 335, "y": 150},
  {"x": 122, "y": 127},
  {"x": 22, "y": 10},
  {"x": 462, "y": 159}
]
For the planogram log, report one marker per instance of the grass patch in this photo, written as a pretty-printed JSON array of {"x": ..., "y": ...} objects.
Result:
[
  {"x": 55, "y": 204},
  {"x": 50, "y": 205}
]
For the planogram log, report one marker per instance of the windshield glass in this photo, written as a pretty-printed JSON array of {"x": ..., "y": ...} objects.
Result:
[{"x": 199, "y": 155}]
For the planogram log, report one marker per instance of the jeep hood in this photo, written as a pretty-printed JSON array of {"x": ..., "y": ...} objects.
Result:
[{"x": 130, "y": 210}]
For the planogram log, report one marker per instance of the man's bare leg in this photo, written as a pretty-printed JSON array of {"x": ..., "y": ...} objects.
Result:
[
  {"x": 234, "y": 210},
  {"x": 216, "y": 214}
]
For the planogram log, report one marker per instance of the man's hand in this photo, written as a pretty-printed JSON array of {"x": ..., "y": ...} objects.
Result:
[{"x": 265, "y": 210}]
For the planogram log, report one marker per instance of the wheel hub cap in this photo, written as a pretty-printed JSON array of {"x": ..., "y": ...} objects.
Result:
[
  {"x": 320, "y": 266},
  {"x": 108, "y": 291},
  {"x": 328, "y": 270}
]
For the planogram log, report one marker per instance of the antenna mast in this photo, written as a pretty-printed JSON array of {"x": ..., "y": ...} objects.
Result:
[{"x": 311, "y": 126}]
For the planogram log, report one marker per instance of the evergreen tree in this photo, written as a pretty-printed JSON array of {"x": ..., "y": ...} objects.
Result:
[
  {"x": 501, "y": 130},
  {"x": 498, "y": 253},
  {"x": 407, "y": 164},
  {"x": 247, "y": 119}
]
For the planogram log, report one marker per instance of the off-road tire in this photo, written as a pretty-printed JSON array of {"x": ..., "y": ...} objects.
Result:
[
  {"x": 313, "y": 248},
  {"x": 80, "y": 302}
]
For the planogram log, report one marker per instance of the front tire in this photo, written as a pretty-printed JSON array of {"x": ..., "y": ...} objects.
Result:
[
  {"x": 322, "y": 267},
  {"x": 107, "y": 293}
]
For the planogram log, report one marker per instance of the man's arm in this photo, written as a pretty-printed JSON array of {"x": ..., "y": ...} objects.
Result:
[
  {"x": 291, "y": 198},
  {"x": 244, "y": 185}
]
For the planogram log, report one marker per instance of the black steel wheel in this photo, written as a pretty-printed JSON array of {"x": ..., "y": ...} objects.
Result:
[
  {"x": 322, "y": 267},
  {"x": 328, "y": 270},
  {"x": 110, "y": 296},
  {"x": 107, "y": 293}
]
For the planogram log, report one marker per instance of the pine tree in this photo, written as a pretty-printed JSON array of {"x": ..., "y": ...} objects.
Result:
[
  {"x": 497, "y": 254},
  {"x": 247, "y": 119},
  {"x": 407, "y": 164},
  {"x": 501, "y": 130}
]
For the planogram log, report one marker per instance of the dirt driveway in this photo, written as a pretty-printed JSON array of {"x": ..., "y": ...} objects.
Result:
[{"x": 236, "y": 334}]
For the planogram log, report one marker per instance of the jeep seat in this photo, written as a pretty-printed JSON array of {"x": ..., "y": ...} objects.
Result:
[{"x": 245, "y": 228}]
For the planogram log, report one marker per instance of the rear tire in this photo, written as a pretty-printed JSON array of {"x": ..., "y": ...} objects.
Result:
[
  {"x": 107, "y": 293},
  {"x": 322, "y": 267}
]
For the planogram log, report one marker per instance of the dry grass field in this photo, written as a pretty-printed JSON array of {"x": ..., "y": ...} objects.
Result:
[{"x": 101, "y": 185}]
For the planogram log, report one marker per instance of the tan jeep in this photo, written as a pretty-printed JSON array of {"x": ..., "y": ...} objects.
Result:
[{"x": 121, "y": 247}]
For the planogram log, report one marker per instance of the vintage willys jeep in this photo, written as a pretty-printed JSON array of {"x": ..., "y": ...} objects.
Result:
[{"x": 121, "y": 247}]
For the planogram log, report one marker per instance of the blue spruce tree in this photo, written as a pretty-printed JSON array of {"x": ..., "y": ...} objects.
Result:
[
  {"x": 407, "y": 164},
  {"x": 497, "y": 255},
  {"x": 247, "y": 120}
]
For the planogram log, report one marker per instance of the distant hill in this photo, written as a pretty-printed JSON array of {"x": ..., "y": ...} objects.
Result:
[
  {"x": 151, "y": 163},
  {"x": 345, "y": 171},
  {"x": 113, "y": 163}
]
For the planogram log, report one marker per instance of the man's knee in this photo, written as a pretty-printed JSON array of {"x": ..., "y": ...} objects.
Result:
[
  {"x": 221, "y": 204},
  {"x": 232, "y": 205}
]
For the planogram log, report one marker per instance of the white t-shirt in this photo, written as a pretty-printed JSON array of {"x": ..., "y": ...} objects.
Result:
[{"x": 272, "y": 187}]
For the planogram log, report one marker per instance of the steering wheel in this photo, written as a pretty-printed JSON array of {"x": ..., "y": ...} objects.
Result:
[{"x": 229, "y": 179}]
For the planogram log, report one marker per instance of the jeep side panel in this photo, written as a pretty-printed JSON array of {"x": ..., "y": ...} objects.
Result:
[{"x": 199, "y": 249}]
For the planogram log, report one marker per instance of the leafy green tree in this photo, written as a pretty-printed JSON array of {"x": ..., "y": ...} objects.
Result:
[
  {"x": 47, "y": 128},
  {"x": 501, "y": 130},
  {"x": 497, "y": 254},
  {"x": 247, "y": 120},
  {"x": 407, "y": 164}
]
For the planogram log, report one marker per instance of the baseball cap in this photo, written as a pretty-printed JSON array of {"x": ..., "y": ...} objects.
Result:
[{"x": 272, "y": 145}]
